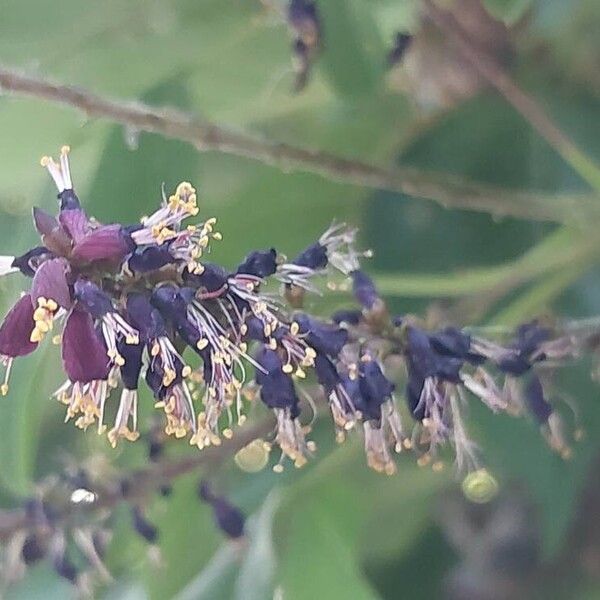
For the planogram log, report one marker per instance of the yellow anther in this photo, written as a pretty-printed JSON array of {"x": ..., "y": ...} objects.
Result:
[
  {"x": 294, "y": 328},
  {"x": 36, "y": 336},
  {"x": 201, "y": 343},
  {"x": 288, "y": 368},
  {"x": 4, "y": 389}
]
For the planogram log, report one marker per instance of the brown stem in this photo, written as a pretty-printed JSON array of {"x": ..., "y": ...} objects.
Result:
[
  {"x": 447, "y": 190},
  {"x": 141, "y": 482},
  {"x": 527, "y": 106}
]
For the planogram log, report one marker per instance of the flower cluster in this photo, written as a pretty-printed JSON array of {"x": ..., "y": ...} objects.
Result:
[
  {"x": 443, "y": 368},
  {"x": 139, "y": 302}
]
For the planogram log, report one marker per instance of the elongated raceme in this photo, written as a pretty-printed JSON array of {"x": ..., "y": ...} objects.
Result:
[{"x": 134, "y": 303}]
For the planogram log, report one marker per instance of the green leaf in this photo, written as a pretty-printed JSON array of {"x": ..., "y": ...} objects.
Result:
[
  {"x": 255, "y": 578},
  {"x": 41, "y": 583},
  {"x": 319, "y": 562},
  {"x": 186, "y": 544},
  {"x": 345, "y": 513},
  {"x": 128, "y": 180},
  {"x": 353, "y": 56},
  {"x": 217, "y": 577}
]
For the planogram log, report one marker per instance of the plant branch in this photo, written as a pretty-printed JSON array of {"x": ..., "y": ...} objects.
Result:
[
  {"x": 447, "y": 190},
  {"x": 527, "y": 106},
  {"x": 144, "y": 481}
]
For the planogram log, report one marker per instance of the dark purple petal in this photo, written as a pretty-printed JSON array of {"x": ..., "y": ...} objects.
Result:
[
  {"x": 414, "y": 388},
  {"x": 68, "y": 200},
  {"x": 323, "y": 337},
  {"x": 151, "y": 258},
  {"x": 420, "y": 356},
  {"x": 313, "y": 257},
  {"x": 130, "y": 371},
  {"x": 107, "y": 242},
  {"x": 535, "y": 400},
  {"x": 453, "y": 342},
  {"x": 75, "y": 222},
  {"x": 364, "y": 289},
  {"x": 327, "y": 374},
  {"x": 83, "y": 352},
  {"x": 212, "y": 279},
  {"x": 96, "y": 302},
  {"x": 16, "y": 329},
  {"x": 277, "y": 388},
  {"x": 349, "y": 316},
  {"x": 260, "y": 263},
  {"x": 29, "y": 262},
  {"x": 167, "y": 299},
  {"x": 50, "y": 282},
  {"x": 530, "y": 336},
  {"x": 144, "y": 317}
]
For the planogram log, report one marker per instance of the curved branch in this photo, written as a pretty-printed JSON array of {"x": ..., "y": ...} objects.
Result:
[
  {"x": 447, "y": 190},
  {"x": 141, "y": 482}
]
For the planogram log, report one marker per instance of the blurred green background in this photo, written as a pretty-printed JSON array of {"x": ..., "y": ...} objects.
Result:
[{"x": 334, "y": 529}]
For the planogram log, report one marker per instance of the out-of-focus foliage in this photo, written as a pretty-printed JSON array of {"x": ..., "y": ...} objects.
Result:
[{"x": 333, "y": 530}]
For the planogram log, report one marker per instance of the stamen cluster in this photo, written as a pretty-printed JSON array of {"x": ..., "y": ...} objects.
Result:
[{"x": 139, "y": 302}]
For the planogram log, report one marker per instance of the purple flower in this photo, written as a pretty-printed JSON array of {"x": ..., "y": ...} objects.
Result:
[
  {"x": 130, "y": 300},
  {"x": 278, "y": 393}
]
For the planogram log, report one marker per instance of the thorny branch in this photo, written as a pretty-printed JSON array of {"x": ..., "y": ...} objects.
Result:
[{"x": 448, "y": 191}]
